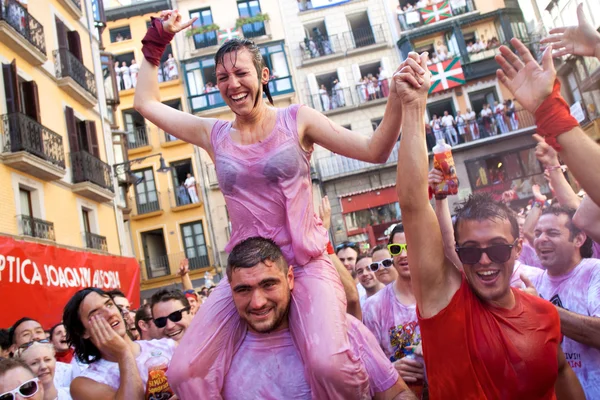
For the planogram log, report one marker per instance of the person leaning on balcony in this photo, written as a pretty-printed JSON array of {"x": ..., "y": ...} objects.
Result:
[{"x": 263, "y": 167}]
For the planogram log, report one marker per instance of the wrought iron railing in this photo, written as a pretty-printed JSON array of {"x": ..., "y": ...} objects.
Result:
[
  {"x": 22, "y": 133},
  {"x": 203, "y": 40},
  {"x": 254, "y": 30},
  {"x": 93, "y": 241},
  {"x": 17, "y": 16},
  {"x": 87, "y": 168},
  {"x": 411, "y": 19},
  {"x": 138, "y": 137},
  {"x": 184, "y": 196},
  {"x": 67, "y": 65},
  {"x": 161, "y": 266},
  {"x": 77, "y": 3},
  {"x": 35, "y": 227},
  {"x": 362, "y": 37},
  {"x": 147, "y": 202},
  {"x": 360, "y": 94},
  {"x": 319, "y": 46}
]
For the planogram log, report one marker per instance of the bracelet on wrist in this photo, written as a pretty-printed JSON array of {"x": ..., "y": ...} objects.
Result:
[
  {"x": 551, "y": 168},
  {"x": 538, "y": 203}
]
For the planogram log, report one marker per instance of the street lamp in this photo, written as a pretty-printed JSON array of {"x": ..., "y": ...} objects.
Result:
[{"x": 125, "y": 168}]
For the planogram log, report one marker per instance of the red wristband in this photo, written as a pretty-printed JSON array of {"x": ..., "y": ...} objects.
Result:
[
  {"x": 330, "y": 249},
  {"x": 553, "y": 117},
  {"x": 155, "y": 42}
]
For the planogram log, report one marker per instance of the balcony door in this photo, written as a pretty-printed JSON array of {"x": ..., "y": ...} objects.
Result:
[
  {"x": 195, "y": 245},
  {"x": 145, "y": 192},
  {"x": 251, "y": 8},
  {"x": 156, "y": 259},
  {"x": 135, "y": 126}
]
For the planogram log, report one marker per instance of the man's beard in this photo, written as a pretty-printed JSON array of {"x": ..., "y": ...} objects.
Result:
[{"x": 280, "y": 316}]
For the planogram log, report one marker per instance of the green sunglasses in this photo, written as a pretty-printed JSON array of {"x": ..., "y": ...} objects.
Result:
[{"x": 396, "y": 249}]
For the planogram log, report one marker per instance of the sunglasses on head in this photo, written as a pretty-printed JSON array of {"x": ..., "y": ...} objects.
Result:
[
  {"x": 175, "y": 316},
  {"x": 396, "y": 249},
  {"x": 345, "y": 245},
  {"x": 29, "y": 344},
  {"x": 497, "y": 253},
  {"x": 26, "y": 390},
  {"x": 374, "y": 266}
]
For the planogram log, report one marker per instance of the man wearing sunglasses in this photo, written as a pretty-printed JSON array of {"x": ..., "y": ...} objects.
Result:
[
  {"x": 391, "y": 314},
  {"x": 366, "y": 277},
  {"x": 17, "y": 381},
  {"x": 571, "y": 281},
  {"x": 383, "y": 265},
  {"x": 117, "y": 365},
  {"x": 171, "y": 313},
  {"x": 480, "y": 338},
  {"x": 145, "y": 324},
  {"x": 262, "y": 284}
]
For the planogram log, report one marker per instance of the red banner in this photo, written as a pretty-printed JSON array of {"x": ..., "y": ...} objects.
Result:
[{"x": 37, "y": 280}]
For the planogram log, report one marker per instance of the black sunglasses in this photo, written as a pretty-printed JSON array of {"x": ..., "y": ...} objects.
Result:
[
  {"x": 388, "y": 262},
  {"x": 26, "y": 390},
  {"x": 175, "y": 316},
  {"x": 498, "y": 253},
  {"x": 29, "y": 344}
]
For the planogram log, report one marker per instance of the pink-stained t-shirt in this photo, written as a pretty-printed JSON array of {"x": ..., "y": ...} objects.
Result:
[
  {"x": 528, "y": 256},
  {"x": 529, "y": 271},
  {"x": 578, "y": 292},
  {"x": 268, "y": 189},
  {"x": 395, "y": 325},
  {"x": 107, "y": 372},
  {"x": 268, "y": 366}
]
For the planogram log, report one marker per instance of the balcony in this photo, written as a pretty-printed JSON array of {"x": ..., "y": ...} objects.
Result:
[
  {"x": 35, "y": 227},
  {"x": 137, "y": 8},
  {"x": 32, "y": 148},
  {"x": 73, "y": 7},
  {"x": 317, "y": 49},
  {"x": 424, "y": 18},
  {"x": 91, "y": 177},
  {"x": 147, "y": 205},
  {"x": 74, "y": 77},
  {"x": 207, "y": 101},
  {"x": 335, "y": 101},
  {"x": 93, "y": 241},
  {"x": 255, "y": 30},
  {"x": 168, "y": 140},
  {"x": 137, "y": 139},
  {"x": 22, "y": 33},
  {"x": 181, "y": 199},
  {"x": 161, "y": 266}
]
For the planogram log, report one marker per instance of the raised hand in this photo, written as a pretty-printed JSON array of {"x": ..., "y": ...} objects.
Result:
[
  {"x": 325, "y": 212},
  {"x": 184, "y": 267},
  {"x": 545, "y": 153},
  {"x": 106, "y": 339},
  {"x": 435, "y": 177},
  {"x": 581, "y": 40},
  {"x": 172, "y": 21},
  {"x": 529, "y": 82},
  {"x": 537, "y": 193},
  {"x": 412, "y": 80}
]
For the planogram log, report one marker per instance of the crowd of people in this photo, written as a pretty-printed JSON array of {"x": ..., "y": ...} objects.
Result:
[
  {"x": 127, "y": 76},
  {"x": 369, "y": 87},
  {"x": 481, "y": 304},
  {"x": 410, "y": 16}
]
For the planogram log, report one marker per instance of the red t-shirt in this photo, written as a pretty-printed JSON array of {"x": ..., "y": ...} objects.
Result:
[{"x": 475, "y": 351}]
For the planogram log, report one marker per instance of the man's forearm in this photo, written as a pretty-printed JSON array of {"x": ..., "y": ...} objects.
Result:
[
  {"x": 582, "y": 329},
  {"x": 564, "y": 192},
  {"x": 530, "y": 222},
  {"x": 587, "y": 217},
  {"x": 386, "y": 135},
  {"x": 186, "y": 282},
  {"x": 131, "y": 386}
]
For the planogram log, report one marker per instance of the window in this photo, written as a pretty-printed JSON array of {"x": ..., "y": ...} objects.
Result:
[
  {"x": 135, "y": 126},
  {"x": 515, "y": 170},
  {"x": 120, "y": 34},
  {"x": 251, "y": 8},
  {"x": 26, "y": 205},
  {"x": 372, "y": 216},
  {"x": 85, "y": 215},
  {"x": 176, "y": 104},
  {"x": 156, "y": 260},
  {"x": 145, "y": 192},
  {"x": 184, "y": 183},
  {"x": 68, "y": 40},
  {"x": 205, "y": 18},
  {"x": 82, "y": 134},
  {"x": 109, "y": 78},
  {"x": 481, "y": 97},
  {"x": 122, "y": 62},
  {"x": 202, "y": 85},
  {"x": 439, "y": 107},
  {"x": 21, "y": 95},
  {"x": 99, "y": 16},
  {"x": 275, "y": 59},
  {"x": 195, "y": 245},
  {"x": 362, "y": 32}
]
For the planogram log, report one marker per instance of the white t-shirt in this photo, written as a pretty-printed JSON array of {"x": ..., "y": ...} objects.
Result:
[
  {"x": 470, "y": 116},
  {"x": 190, "y": 182},
  {"x": 362, "y": 293},
  {"x": 63, "y": 375},
  {"x": 486, "y": 112},
  {"x": 578, "y": 292},
  {"x": 499, "y": 108},
  {"x": 447, "y": 120}
]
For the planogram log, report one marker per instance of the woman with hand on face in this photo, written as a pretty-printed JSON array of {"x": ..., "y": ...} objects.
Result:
[{"x": 40, "y": 357}]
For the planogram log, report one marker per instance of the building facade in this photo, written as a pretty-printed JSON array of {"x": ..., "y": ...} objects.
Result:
[
  {"x": 493, "y": 153},
  {"x": 217, "y": 21},
  {"x": 55, "y": 143},
  {"x": 160, "y": 177}
]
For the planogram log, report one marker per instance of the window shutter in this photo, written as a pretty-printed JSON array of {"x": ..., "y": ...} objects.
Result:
[
  {"x": 61, "y": 32},
  {"x": 75, "y": 44},
  {"x": 72, "y": 130},
  {"x": 11, "y": 87},
  {"x": 32, "y": 100},
  {"x": 92, "y": 138}
]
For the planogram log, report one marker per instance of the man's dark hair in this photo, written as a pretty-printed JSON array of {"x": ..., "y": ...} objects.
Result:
[
  {"x": 377, "y": 248},
  {"x": 252, "y": 251},
  {"x": 482, "y": 207},
  {"x": 5, "y": 341},
  {"x": 399, "y": 228},
  {"x": 85, "y": 350},
  {"x": 361, "y": 256},
  {"x": 347, "y": 245},
  {"x": 13, "y": 328},
  {"x": 51, "y": 331},
  {"x": 232, "y": 47},
  {"x": 586, "y": 250},
  {"x": 8, "y": 364},
  {"x": 144, "y": 313},
  {"x": 165, "y": 295},
  {"x": 116, "y": 293}
]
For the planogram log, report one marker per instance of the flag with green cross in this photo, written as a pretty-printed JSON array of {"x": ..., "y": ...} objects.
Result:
[{"x": 446, "y": 75}]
